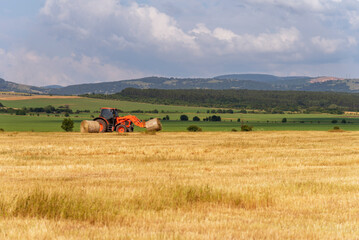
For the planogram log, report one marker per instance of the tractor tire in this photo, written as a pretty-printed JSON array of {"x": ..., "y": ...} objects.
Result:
[
  {"x": 103, "y": 125},
  {"x": 121, "y": 129}
]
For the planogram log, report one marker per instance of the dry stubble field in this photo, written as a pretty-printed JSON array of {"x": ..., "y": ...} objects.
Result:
[{"x": 258, "y": 185}]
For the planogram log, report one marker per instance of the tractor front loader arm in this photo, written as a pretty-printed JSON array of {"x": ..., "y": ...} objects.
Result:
[{"x": 136, "y": 121}]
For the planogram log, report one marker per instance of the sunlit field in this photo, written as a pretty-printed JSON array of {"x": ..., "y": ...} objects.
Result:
[
  {"x": 44, "y": 122},
  {"x": 209, "y": 185}
]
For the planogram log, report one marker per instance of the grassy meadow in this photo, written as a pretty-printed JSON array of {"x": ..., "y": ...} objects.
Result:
[
  {"x": 209, "y": 185},
  {"x": 260, "y": 122},
  {"x": 52, "y": 123},
  {"x": 95, "y": 104}
]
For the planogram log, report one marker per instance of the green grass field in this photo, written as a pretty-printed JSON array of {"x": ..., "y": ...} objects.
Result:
[
  {"x": 95, "y": 104},
  {"x": 260, "y": 122},
  {"x": 43, "y": 123}
]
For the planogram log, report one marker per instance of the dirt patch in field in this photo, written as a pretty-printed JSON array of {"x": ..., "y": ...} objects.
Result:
[
  {"x": 325, "y": 79},
  {"x": 14, "y": 97}
]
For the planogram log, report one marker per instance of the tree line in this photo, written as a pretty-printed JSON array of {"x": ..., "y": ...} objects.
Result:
[
  {"x": 47, "y": 109},
  {"x": 268, "y": 101}
]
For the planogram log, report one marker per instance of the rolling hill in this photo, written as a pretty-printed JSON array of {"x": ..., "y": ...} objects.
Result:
[
  {"x": 232, "y": 81},
  {"x": 6, "y": 86}
]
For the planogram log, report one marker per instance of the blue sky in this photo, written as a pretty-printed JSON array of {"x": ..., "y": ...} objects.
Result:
[{"x": 65, "y": 42}]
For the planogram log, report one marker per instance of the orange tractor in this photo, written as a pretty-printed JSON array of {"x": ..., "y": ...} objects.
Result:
[{"x": 110, "y": 121}]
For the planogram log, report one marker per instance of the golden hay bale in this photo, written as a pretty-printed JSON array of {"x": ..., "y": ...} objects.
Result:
[
  {"x": 154, "y": 125},
  {"x": 90, "y": 127}
]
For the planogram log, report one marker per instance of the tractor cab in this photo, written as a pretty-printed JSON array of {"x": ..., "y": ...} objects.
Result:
[
  {"x": 109, "y": 113},
  {"x": 107, "y": 119}
]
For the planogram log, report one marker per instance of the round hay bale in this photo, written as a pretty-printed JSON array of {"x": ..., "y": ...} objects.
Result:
[
  {"x": 154, "y": 125},
  {"x": 90, "y": 127}
]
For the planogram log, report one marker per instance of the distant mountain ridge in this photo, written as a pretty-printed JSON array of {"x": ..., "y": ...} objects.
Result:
[
  {"x": 260, "y": 77},
  {"x": 6, "y": 86},
  {"x": 230, "y": 81},
  {"x": 52, "y": 86}
]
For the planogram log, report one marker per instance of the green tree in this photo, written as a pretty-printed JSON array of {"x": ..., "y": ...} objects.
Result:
[
  {"x": 230, "y": 111},
  {"x": 246, "y": 128},
  {"x": 49, "y": 109},
  {"x": 67, "y": 124},
  {"x": 196, "y": 119},
  {"x": 184, "y": 118},
  {"x": 284, "y": 120},
  {"x": 20, "y": 112},
  {"x": 215, "y": 118}
]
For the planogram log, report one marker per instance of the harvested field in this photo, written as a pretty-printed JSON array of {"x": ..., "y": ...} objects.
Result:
[
  {"x": 20, "y": 97},
  {"x": 256, "y": 185}
]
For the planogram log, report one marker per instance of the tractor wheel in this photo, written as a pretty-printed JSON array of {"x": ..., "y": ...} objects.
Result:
[
  {"x": 121, "y": 129},
  {"x": 103, "y": 125}
]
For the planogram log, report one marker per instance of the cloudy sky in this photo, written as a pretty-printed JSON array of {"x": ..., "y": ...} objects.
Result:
[{"x": 65, "y": 42}]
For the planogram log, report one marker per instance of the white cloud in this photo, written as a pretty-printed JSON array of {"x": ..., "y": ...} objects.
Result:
[
  {"x": 353, "y": 18},
  {"x": 200, "y": 29},
  {"x": 28, "y": 67},
  {"x": 352, "y": 41},
  {"x": 312, "y": 5},
  {"x": 282, "y": 41},
  {"x": 327, "y": 45},
  {"x": 142, "y": 25}
]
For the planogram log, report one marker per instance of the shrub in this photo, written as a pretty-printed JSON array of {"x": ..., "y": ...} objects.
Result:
[
  {"x": 334, "y": 121},
  {"x": 49, "y": 109},
  {"x": 2, "y": 130},
  {"x": 184, "y": 118},
  {"x": 246, "y": 128},
  {"x": 336, "y": 127},
  {"x": 234, "y": 130},
  {"x": 344, "y": 121},
  {"x": 67, "y": 124},
  {"x": 230, "y": 111},
  {"x": 284, "y": 120},
  {"x": 20, "y": 112},
  {"x": 196, "y": 119},
  {"x": 194, "y": 128},
  {"x": 67, "y": 114},
  {"x": 238, "y": 120},
  {"x": 214, "y": 118}
]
